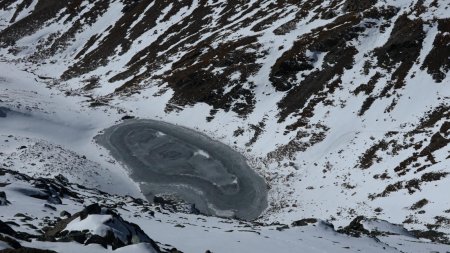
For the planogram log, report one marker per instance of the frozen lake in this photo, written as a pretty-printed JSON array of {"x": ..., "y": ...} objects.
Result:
[{"x": 169, "y": 159}]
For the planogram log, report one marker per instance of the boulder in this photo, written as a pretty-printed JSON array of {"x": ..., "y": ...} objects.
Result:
[
  {"x": 3, "y": 200},
  {"x": 6, "y": 229},
  {"x": 3, "y": 113},
  {"x": 98, "y": 225},
  {"x": 355, "y": 228},
  {"x": 10, "y": 241},
  {"x": 303, "y": 222}
]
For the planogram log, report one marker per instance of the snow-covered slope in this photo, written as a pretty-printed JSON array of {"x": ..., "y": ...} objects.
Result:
[
  {"x": 342, "y": 105},
  {"x": 87, "y": 220}
]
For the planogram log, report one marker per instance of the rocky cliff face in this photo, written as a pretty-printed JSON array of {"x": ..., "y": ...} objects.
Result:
[{"x": 339, "y": 99}]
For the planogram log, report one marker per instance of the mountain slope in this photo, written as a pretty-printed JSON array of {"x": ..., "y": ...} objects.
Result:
[
  {"x": 343, "y": 106},
  {"x": 86, "y": 219}
]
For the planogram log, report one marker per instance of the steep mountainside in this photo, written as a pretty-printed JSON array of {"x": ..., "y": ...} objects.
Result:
[{"x": 342, "y": 105}]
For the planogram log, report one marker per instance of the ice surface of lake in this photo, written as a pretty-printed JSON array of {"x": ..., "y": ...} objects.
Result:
[{"x": 169, "y": 159}]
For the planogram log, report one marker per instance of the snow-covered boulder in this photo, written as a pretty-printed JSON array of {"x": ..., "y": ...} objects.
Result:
[{"x": 99, "y": 225}]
